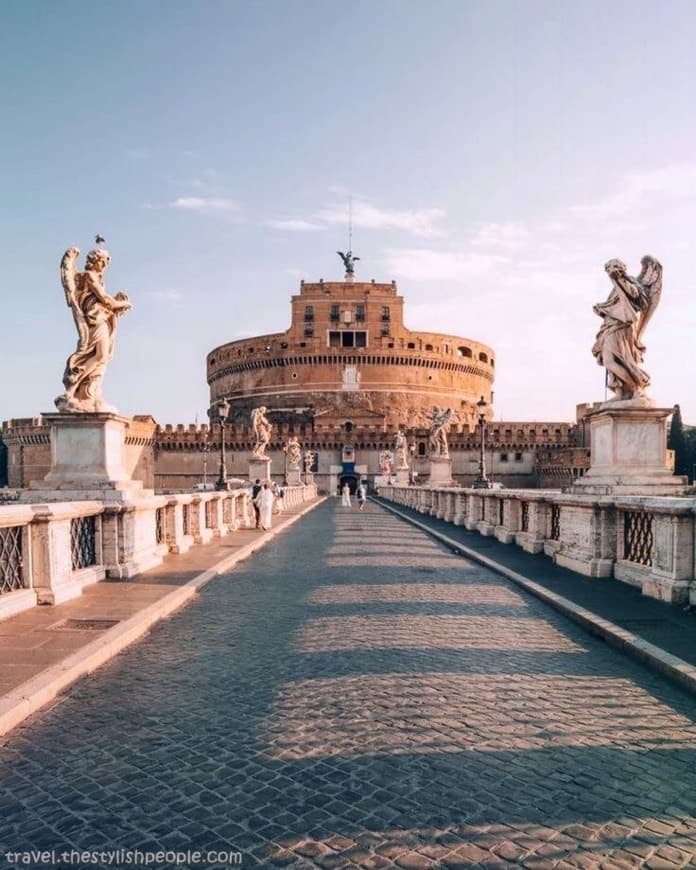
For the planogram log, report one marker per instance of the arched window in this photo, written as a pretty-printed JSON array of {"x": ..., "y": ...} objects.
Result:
[
  {"x": 411, "y": 345},
  {"x": 464, "y": 351},
  {"x": 483, "y": 357},
  {"x": 421, "y": 448},
  {"x": 428, "y": 347}
]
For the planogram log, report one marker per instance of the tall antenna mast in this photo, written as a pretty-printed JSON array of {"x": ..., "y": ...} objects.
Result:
[{"x": 350, "y": 222}]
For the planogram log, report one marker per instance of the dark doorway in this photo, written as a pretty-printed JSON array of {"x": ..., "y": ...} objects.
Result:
[{"x": 351, "y": 480}]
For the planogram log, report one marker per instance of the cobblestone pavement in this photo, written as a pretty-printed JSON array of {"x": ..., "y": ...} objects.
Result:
[{"x": 356, "y": 696}]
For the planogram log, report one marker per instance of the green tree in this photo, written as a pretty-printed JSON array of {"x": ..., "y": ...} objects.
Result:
[{"x": 677, "y": 442}]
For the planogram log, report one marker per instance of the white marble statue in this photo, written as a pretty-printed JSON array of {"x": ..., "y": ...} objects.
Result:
[
  {"x": 262, "y": 432},
  {"x": 294, "y": 452},
  {"x": 308, "y": 460},
  {"x": 95, "y": 314},
  {"x": 400, "y": 451},
  {"x": 625, "y": 314},
  {"x": 438, "y": 434},
  {"x": 386, "y": 460}
]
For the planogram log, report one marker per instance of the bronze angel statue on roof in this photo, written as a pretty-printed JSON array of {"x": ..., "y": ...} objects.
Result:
[
  {"x": 95, "y": 314},
  {"x": 625, "y": 314},
  {"x": 348, "y": 261}
]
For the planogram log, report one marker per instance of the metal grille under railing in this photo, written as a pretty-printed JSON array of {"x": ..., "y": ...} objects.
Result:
[
  {"x": 555, "y": 522},
  {"x": 638, "y": 537},
  {"x": 524, "y": 516},
  {"x": 159, "y": 525},
  {"x": 11, "y": 563},
  {"x": 187, "y": 519},
  {"x": 83, "y": 542},
  {"x": 209, "y": 514},
  {"x": 501, "y": 512}
]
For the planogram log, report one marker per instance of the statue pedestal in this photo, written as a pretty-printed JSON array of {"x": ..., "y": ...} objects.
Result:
[
  {"x": 87, "y": 459},
  {"x": 628, "y": 453},
  {"x": 260, "y": 469},
  {"x": 293, "y": 477},
  {"x": 402, "y": 475},
  {"x": 308, "y": 478},
  {"x": 440, "y": 471}
]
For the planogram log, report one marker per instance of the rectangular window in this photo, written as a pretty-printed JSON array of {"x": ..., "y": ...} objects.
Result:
[
  {"x": 360, "y": 312},
  {"x": 503, "y": 457},
  {"x": 334, "y": 339},
  {"x": 335, "y": 313},
  {"x": 361, "y": 339},
  {"x": 385, "y": 312},
  {"x": 347, "y": 339},
  {"x": 518, "y": 457},
  {"x": 309, "y": 313}
]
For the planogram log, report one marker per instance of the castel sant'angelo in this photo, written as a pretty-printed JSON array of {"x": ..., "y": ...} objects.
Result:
[{"x": 344, "y": 378}]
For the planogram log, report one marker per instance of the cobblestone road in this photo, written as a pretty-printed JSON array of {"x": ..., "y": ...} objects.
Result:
[{"x": 356, "y": 696}]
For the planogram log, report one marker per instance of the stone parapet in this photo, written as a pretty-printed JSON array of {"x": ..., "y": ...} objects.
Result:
[{"x": 647, "y": 541}]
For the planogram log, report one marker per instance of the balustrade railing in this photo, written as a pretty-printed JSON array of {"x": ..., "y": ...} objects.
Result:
[
  {"x": 48, "y": 552},
  {"x": 650, "y": 545}
]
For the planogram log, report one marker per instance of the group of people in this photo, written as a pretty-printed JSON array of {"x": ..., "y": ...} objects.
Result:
[
  {"x": 360, "y": 495},
  {"x": 267, "y": 499}
]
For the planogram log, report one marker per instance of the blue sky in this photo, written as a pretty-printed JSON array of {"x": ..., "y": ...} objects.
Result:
[{"x": 498, "y": 154}]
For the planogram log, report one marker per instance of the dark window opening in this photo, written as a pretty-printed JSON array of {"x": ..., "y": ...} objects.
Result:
[{"x": 309, "y": 312}]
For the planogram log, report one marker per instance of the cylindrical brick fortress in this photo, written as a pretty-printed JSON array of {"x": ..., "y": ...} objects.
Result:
[{"x": 348, "y": 356}]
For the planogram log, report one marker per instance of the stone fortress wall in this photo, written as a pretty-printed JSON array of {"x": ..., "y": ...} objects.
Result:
[
  {"x": 348, "y": 352},
  {"x": 346, "y": 374}
]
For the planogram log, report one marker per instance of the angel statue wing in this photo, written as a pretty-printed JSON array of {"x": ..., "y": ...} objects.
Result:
[
  {"x": 343, "y": 257},
  {"x": 68, "y": 278},
  {"x": 650, "y": 279},
  {"x": 67, "y": 275}
]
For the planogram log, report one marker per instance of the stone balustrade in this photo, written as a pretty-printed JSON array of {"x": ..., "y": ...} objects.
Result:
[
  {"x": 50, "y": 552},
  {"x": 648, "y": 542}
]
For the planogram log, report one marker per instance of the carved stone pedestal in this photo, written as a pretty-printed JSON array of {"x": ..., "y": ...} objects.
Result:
[
  {"x": 629, "y": 452},
  {"x": 260, "y": 469},
  {"x": 401, "y": 475},
  {"x": 293, "y": 477},
  {"x": 87, "y": 460},
  {"x": 440, "y": 471}
]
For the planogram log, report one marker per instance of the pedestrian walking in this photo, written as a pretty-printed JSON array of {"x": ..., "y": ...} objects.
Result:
[
  {"x": 281, "y": 499},
  {"x": 255, "y": 490},
  {"x": 264, "y": 500},
  {"x": 361, "y": 496},
  {"x": 345, "y": 496}
]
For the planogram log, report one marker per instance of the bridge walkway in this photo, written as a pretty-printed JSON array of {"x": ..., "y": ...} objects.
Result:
[{"x": 356, "y": 695}]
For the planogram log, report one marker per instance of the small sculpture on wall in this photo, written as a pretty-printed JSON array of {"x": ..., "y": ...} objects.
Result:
[
  {"x": 262, "y": 428},
  {"x": 438, "y": 432}
]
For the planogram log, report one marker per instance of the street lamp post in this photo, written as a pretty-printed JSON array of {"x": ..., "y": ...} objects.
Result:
[
  {"x": 223, "y": 410},
  {"x": 482, "y": 482}
]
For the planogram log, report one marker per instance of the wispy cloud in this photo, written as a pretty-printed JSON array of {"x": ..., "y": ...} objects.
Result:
[
  {"x": 204, "y": 203},
  {"x": 419, "y": 222},
  {"x": 426, "y": 264},
  {"x": 295, "y": 225},
  {"x": 507, "y": 236},
  {"x": 669, "y": 182},
  {"x": 423, "y": 222}
]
